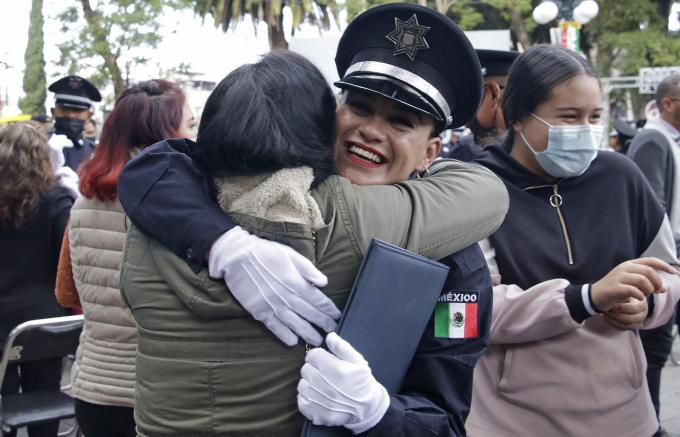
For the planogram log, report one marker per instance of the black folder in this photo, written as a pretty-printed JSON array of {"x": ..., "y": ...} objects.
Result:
[{"x": 393, "y": 298}]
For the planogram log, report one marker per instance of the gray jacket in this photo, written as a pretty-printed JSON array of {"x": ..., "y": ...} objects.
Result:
[{"x": 658, "y": 156}]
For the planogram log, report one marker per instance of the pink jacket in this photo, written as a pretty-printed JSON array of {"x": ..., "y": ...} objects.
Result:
[{"x": 545, "y": 375}]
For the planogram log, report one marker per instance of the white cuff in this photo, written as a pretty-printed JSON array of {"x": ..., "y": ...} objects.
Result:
[{"x": 585, "y": 296}]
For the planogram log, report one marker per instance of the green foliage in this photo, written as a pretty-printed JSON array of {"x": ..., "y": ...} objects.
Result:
[
  {"x": 631, "y": 34},
  {"x": 106, "y": 33},
  {"x": 467, "y": 16},
  {"x": 34, "y": 75},
  {"x": 470, "y": 14},
  {"x": 355, "y": 7},
  {"x": 228, "y": 13}
]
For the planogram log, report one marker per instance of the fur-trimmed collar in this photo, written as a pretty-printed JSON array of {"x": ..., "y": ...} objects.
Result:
[{"x": 281, "y": 196}]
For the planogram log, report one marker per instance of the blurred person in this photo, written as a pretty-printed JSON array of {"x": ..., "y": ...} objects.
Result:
[
  {"x": 73, "y": 98},
  {"x": 45, "y": 122},
  {"x": 622, "y": 135},
  {"x": 103, "y": 374},
  {"x": 33, "y": 214},
  {"x": 90, "y": 131},
  {"x": 453, "y": 140},
  {"x": 487, "y": 126},
  {"x": 655, "y": 150},
  {"x": 374, "y": 112},
  {"x": 572, "y": 288}
]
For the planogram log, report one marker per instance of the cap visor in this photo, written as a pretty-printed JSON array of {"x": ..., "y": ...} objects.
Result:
[
  {"x": 390, "y": 89},
  {"x": 70, "y": 104}
]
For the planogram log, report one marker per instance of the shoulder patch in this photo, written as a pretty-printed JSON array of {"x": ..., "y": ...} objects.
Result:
[{"x": 455, "y": 315}]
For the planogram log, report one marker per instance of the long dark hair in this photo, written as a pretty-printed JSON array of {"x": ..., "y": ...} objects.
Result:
[
  {"x": 532, "y": 78},
  {"x": 144, "y": 114},
  {"x": 277, "y": 113}
]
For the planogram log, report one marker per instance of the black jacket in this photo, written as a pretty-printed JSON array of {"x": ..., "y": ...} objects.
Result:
[
  {"x": 28, "y": 265},
  {"x": 604, "y": 217}
]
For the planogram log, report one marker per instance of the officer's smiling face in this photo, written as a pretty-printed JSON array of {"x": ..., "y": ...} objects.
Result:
[{"x": 379, "y": 141}]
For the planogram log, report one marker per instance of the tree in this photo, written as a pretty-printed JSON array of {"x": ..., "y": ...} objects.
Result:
[
  {"x": 228, "y": 13},
  {"x": 111, "y": 31},
  {"x": 629, "y": 34},
  {"x": 472, "y": 14},
  {"x": 497, "y": 14},
  {"x": 34, "y": 75}
]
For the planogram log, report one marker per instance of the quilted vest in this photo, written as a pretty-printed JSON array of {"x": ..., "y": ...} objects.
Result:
[{"x": 104, "y": 369}]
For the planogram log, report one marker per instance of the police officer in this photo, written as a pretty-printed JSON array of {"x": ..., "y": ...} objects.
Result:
[
  {"x": 487, "y": 127},
  {"x": 73, "y": 97},
  {"x": 402, "y": 67}
]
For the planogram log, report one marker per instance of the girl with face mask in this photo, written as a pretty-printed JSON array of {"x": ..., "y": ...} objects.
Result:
[{"x": 584, "y": 258}]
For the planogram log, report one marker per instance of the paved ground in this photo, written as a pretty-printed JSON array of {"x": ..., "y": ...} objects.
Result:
[
  {"x": 670, "y": 394},
  {"x": 670, "y": 397}
]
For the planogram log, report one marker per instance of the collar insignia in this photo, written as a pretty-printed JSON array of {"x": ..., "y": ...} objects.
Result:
[{"x": 408, "y": 37}]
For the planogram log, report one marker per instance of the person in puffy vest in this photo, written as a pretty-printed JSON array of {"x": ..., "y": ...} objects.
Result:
[{"x": 103, "y": 374}]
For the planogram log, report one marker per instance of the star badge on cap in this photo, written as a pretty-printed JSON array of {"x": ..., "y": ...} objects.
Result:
[
  {"x": 74, "y": 83},
  {"x": 408, "y": 37}
]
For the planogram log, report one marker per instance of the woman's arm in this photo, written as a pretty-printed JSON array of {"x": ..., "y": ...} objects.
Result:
[
  {"x": 458, "y": 205},
  {"x": 65, "y": 287},
  {"x": 167, "y": 197},
  {"x": 554, "y": 307},
  {"x": 437, "y": 391}
]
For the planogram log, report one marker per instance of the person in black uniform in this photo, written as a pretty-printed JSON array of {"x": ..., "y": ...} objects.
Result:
[
  {"x": 73, "y": 97},
  {"x": 487, "y": 126},
  {"x": 392, "y": 69}
]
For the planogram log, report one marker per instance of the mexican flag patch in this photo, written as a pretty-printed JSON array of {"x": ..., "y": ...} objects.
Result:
[{"x": 455, "y": 315}]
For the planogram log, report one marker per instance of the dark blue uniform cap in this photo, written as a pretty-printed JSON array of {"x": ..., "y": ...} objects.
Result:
[
  {"x": 74, "y": 91},
  {"x": 496, "y": 62},
  {"x": 415, "y": 56},
  {"x": 624, "y": 128}
]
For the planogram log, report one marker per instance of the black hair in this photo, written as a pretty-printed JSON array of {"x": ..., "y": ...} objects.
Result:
[
  {"x": 533, "y": 76},
  {"x": 273, "y": 114},
  {"x": 668, "y": 87}
]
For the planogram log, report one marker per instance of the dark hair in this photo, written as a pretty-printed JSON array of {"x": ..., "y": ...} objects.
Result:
[
  {"x": 277, "y": 113},
  {"x": 666, "y": 88},
  {"x": 144, "y": 114},
  {"x": 533, "y": 76}
]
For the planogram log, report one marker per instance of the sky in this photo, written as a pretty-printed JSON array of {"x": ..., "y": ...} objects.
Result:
[{"x": 185, "y": 40}]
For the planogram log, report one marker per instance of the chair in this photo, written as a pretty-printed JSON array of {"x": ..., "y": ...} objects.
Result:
[{"x": 38, "y": 340}]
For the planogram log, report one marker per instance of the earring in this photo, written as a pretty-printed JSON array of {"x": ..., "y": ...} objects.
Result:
[{"x": 425, "y": 172}]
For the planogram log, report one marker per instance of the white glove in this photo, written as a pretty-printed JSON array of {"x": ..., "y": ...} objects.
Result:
[
  {"x": 57, "y": 145},
  {"x": 69, "y": 179},
  {"x": 275, "y": 284},
  {"x": 338, "y": 389}
]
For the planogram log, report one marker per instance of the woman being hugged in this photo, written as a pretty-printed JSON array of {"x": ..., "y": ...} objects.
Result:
[
  {"x": 103, "y": 374},
  {"x": 585, "y": 246},
  {"x": 205, "y": 366}
]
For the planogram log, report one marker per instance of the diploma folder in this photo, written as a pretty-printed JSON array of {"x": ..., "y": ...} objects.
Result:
[{"x": 393, "y": 298}]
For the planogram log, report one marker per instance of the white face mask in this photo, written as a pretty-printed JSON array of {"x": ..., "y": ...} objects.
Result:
[{"x": 570, "y": 149}]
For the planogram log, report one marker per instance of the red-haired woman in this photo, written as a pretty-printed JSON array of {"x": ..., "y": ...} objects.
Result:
[
  {"x": 33, "y": 214},
  {"x": 103, "y": 374}
]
